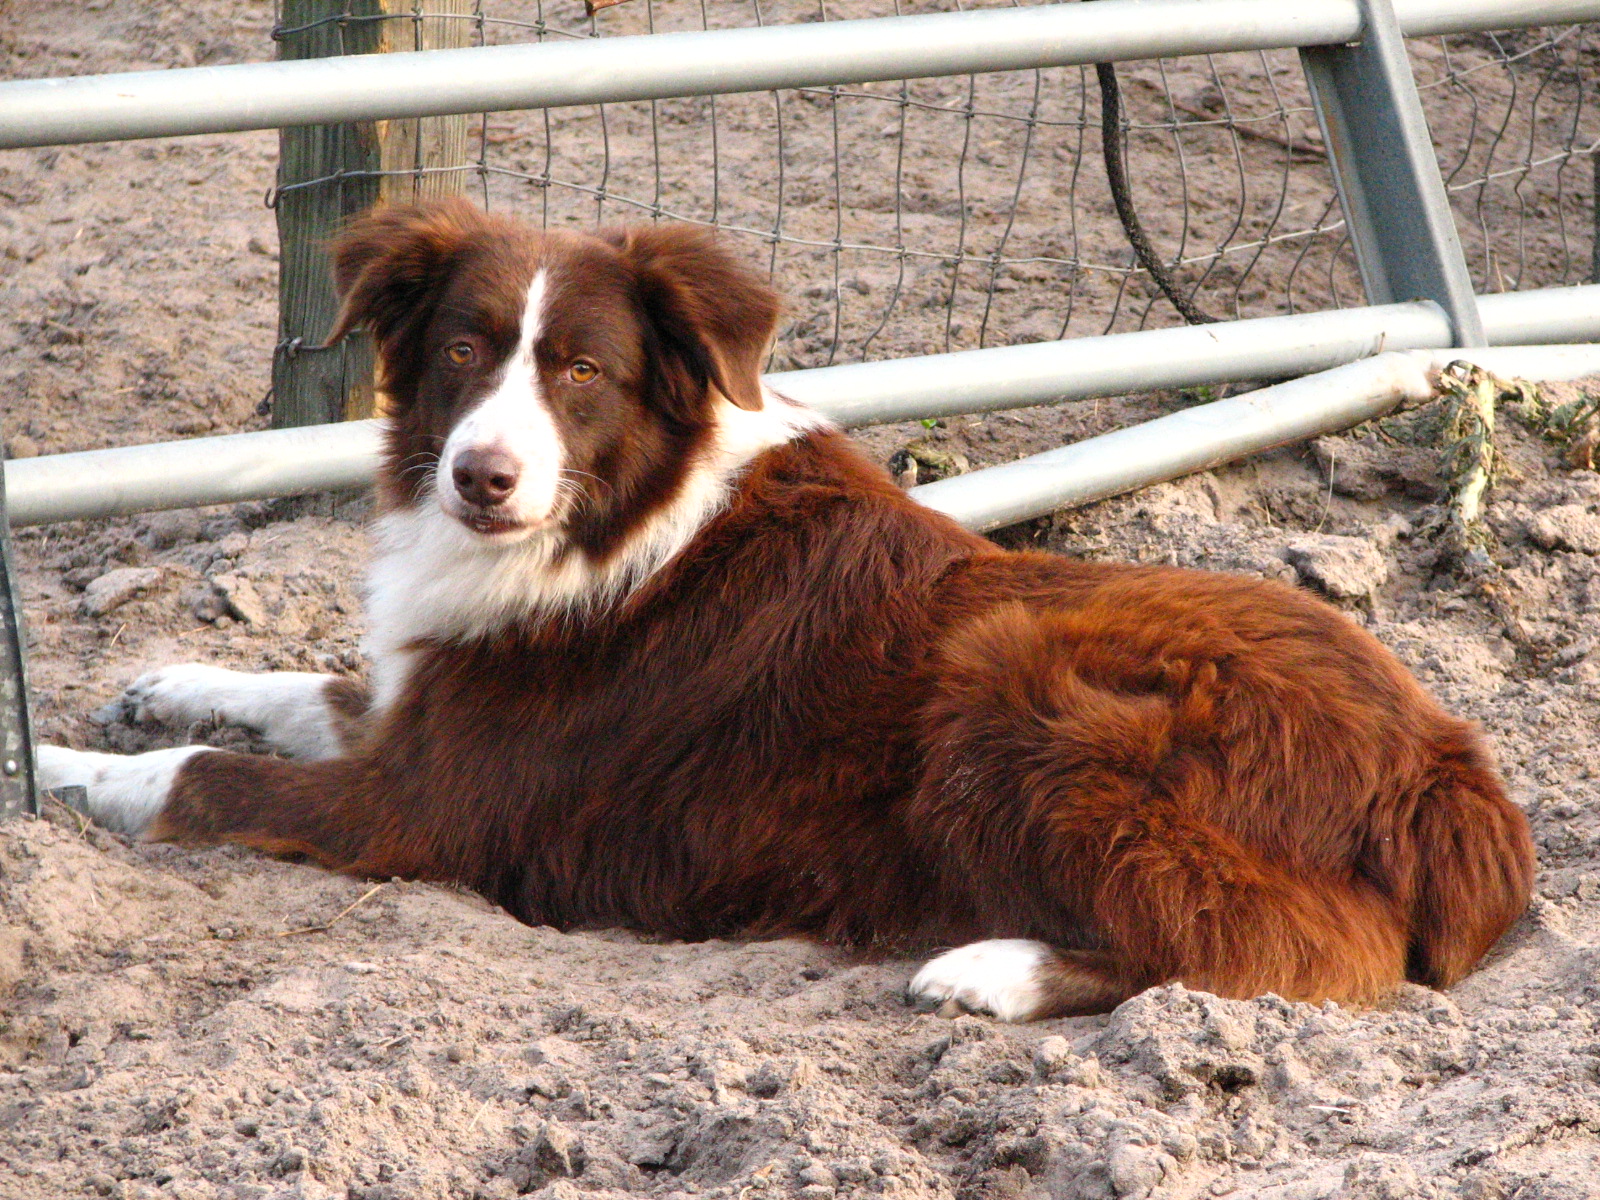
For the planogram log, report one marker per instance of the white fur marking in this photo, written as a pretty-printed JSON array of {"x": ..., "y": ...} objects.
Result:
[
  {"x": 433, "y": 579},
  {"x": 1000, "y": 976},
  {"x": 288, "y": 708},
  {"x": 125, "y": 791},
  {"x": 514, "y": 418}
]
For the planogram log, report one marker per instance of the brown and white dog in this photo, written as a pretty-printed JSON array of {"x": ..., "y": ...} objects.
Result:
[{"x": 654, "y": 647}]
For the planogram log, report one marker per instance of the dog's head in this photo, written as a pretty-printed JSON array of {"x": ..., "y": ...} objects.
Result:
[{"x": 548, "y": 381}]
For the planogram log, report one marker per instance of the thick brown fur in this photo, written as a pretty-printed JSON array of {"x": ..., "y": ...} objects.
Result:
[{"x": 838, "y": 714}]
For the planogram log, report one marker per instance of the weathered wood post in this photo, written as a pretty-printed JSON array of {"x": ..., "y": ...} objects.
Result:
[
  {"x": 328, "y": 173},
  {"x": 1594, "y": 246}
]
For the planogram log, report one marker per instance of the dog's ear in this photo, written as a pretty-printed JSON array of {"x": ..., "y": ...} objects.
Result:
[
  {"x": 390, "y": 264},
  {"x": 712, "y": 316}
]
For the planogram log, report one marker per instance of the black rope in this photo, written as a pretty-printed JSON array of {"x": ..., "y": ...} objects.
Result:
[{"x": 1117, "y": 177}]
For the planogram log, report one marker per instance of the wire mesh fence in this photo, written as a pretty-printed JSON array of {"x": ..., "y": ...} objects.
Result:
[
  {"x": 941, "y": 214},
  {"x": 1520, "y": 150}
]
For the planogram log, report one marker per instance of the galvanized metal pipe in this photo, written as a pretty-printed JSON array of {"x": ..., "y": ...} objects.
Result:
[
  {"x": 43, "y": 112},
  {"x": 1209, "y": 435},
  {"x": 1542, "y": 316},
  {"x": 1429, "y": 18},
  {"x": 1003, "y": 377},
  {"x": 317, "y": 458},
  {"x": 212, "y": 470},
  {"x": 943, "y": 385}
]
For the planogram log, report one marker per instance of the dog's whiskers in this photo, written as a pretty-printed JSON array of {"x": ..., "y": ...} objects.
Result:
[
  {"x": 575, "y": 499},
  {"x": 426, "y": 475},
  {"x": 586, "y": 475},
  {"x": 421, "y": 460}
]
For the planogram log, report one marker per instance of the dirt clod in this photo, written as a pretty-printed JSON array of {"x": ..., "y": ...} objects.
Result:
[
  {"x": 240, "y": 599},
  {"x": 109, "y": 592},
  {"x": 1567, "y": 527},
  {"x": 1348, "y": 568}
]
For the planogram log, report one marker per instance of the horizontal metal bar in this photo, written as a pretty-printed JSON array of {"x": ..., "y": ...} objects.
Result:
[
  {"x": 93, "y": 108},
  {"x": 943, "y": 385},
  {"x": 212, "y": 470},
  {"x": 1542, "y": 316},
  {"x": 1429, "y": 18},
  {"x": 1209, "y": 435},
  {"x": 316, "y": 458}
]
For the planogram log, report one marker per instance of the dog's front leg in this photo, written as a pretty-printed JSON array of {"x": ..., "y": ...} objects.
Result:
[
  {"x": 333, "y": 811},
  {"x": 123, "y": 792},
  {"x": 304, "y": 715}
]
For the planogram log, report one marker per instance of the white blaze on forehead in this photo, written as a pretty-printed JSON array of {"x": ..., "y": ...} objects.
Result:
[
  {"x": 532, "y": 317},
  {"x": 513, "y": 418}
]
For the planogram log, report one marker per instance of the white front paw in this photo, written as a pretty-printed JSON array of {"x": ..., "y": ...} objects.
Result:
[
  {"x": 123, "y": 792},
  {"x": 288, "y": 708},
  {"x": 1002, "y": 977},
  {"x": 179, "y": 695}
]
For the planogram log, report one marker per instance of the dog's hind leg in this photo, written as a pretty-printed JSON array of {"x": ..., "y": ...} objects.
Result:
[
  {"x": 1017, "y": 979},
  {"x": 1178, "y": 899},
  {"x": 1071, "y": 809},
  {"x": 1174, "y": 901},
  {"x": 304, "y": 715}
]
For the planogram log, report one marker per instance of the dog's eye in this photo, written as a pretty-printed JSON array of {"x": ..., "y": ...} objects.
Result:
[
  {"x": 461, "y": 353},
  {"x": 582, "y": 371}
]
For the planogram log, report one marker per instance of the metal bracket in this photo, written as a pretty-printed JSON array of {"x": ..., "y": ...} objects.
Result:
[
  {"x": 17, "y": 792},
  {"x": 1387, "y": 173}
]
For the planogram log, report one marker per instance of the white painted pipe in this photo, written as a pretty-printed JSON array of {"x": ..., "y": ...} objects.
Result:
[
  {"x": 942, "y": 385},
  {"x": 368, "y": 87},
  {"x": 1209, "y": 435},
  {"x": 212, "y": 470}
]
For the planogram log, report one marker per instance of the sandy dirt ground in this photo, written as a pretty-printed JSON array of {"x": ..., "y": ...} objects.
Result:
[{"x": 219, "y": 1025}]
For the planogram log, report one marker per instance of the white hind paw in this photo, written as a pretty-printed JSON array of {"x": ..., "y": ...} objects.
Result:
[{"x": 1003, "y": 977}]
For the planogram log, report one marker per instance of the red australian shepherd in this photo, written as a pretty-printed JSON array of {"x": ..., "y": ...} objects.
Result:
[{"x": 654, "y": 647}]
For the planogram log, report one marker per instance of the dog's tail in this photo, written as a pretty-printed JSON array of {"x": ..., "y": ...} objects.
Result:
[{"x": 1472, "y": 862}]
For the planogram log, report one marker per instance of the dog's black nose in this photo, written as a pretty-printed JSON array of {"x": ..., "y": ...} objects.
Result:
[{"x": 485, "y": 476}]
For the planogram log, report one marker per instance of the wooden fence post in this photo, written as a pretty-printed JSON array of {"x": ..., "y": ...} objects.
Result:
[{"x": 329, "y": 173}]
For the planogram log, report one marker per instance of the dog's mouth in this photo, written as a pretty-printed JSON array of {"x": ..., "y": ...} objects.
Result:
[
  {"x": 491, "y": 524},
  {"x": 498, "y": 526}
]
